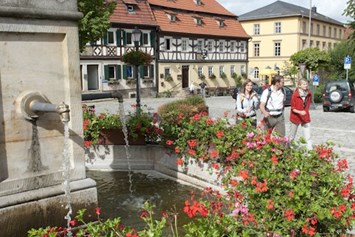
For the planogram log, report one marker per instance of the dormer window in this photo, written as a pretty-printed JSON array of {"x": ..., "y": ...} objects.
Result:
[
  {"x": 220, "y": 22},
  {"x": 130, "y": 8},
  {"x": 198, "y": 2},
  {"x": 198, "y": 20},
  {"x": 172, "y": 17}
]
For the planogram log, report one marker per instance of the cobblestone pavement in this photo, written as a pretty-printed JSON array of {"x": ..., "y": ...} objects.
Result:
[{"x": 337, "y": 127}]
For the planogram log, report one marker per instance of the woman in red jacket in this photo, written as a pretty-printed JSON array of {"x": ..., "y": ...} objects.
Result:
[{"x": 299, "y": 113}]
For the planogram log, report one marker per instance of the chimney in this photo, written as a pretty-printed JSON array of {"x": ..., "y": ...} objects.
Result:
[{"x": 314, "y": 9}]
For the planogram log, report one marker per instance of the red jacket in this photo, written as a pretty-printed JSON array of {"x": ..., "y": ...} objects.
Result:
[{"x": 297, "y": 103}]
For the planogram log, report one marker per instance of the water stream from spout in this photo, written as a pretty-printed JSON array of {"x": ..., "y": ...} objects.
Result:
[
  {"x": 66, "y": 176},
  {"x": 128, "y": 154}
]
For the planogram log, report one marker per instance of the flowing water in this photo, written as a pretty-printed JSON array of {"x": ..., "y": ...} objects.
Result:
[
  {"x": 115, "y": 199},
  {"x": 66, "y": 176}
]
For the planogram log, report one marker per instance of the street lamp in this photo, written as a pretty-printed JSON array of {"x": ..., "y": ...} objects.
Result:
[
  {"x": 136, "y": 37},
  {"x": 310, "y": 23}
]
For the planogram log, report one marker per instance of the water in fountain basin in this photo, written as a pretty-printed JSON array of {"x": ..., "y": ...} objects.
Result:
[{"x": 115, "y": 199}]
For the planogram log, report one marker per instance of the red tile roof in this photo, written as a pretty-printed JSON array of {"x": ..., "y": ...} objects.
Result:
[
  {"x": 185, "y": 23},
  {"x": 210, "y": 6},
  {"x": 141, "y": 16}
]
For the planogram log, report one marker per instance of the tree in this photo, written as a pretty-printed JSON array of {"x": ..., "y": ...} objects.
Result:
[
  {"x": 336, "y": 65},
  {"x": 290, "y": 71},
  {"x": 350, "y": 12},
  {"x": 314, "y": 58},
  {"x": 96, "y": 20}
]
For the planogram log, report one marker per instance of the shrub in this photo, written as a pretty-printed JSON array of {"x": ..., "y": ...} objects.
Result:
[{"x": 137, "y": 58}]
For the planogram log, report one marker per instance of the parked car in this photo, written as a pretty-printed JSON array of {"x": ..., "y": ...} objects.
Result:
[
  {"x": 288, "y": 92},
  {"x": 339, "y": 95}
]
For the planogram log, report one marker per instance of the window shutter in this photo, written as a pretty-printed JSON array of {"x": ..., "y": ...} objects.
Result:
[
  {"x": 141, "y": 71},
  {"x": 151, "y": 71},
  {"x": 152, "y": 38},
  {"x": 106, "y": 72},
  {"x": 124, "y": 71},
  {"x": 118, "y": 37},
  {"x": 105, "y": 39},
  {"x": 118, "y": 72},
  {"x": 124, "y": 38}
]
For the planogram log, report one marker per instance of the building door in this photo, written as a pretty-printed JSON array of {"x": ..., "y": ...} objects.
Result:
[
  {"x": 185, "y": 76},
  {"x": 93, "y": 77}
]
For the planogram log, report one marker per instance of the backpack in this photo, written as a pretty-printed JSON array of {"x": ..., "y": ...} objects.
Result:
[
  {"x": 235, "y": 93},
  {"x": 269, "y": 95}
]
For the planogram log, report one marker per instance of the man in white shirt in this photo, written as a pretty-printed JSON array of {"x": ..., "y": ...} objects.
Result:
[{"x": 272, "y": 106}]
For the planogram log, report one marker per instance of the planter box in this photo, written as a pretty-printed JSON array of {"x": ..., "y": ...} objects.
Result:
[{"x": 116, "y": 137}]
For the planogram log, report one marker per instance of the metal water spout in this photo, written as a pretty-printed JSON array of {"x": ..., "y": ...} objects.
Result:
[
  {"x": 34, "y": 104},
  {"x": 92, "y": 96}
]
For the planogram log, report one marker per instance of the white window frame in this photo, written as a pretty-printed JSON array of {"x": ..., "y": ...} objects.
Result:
[
  {"x": 221, "y": 70},
  {"x": 167, "y": 43},
  {"x": 132, "y": 71},
  {"x": 210, "y": 45},
  {"x": 131, "y": 43},
  {"x": 277, "y": 48},
  {"x": 130, "y": 9},
  {"x": 210, "y": 70},
  {"x": 242, "y": 69},
  {"x": 257, "y": 49},
  {"x": 256, "y": 29},
  {"x": 146, "y": 69},
  {"x": 256, "y": 73},
  {"x": 148, "y": 38},
  {"x": 199, "y": 71},
  {"x": 278, "y": 27},
  {"x": 112, "y": 33},
  {"x": 243, "y": 46},
  {"x": 167, "y": 72},
  {"x": 112, "y": 67},
  {"x": 184, "y": 43},
  {"x": 232, "y": 69},
  {"x": 199, "y": 45},
  {"x": 232, "y": 46},
  {"x": 221, "y": 46}
]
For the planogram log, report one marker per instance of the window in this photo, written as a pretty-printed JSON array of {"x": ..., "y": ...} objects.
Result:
[
  {"x": 198, "y": 2},
  {"x": 324, "y": 30},
  {"x": 277, "y": 49},
  {"x": 329, "y": 45},
  {"x": 221, "y": 46},
  {"x": 277, "y": 27},
  {"x": 221, "y": 70},
  {"x": 256, "y": 49},
  {"x": 145, "y": 71},
  {"x": 318, "y": 29},
  {"x": 112, "y": 72},
  {"x": 129, "y": 71},
  {"x": 335, "y": 32},
  {"x": 256, "y": 73},
  {"x": 199, "y": 71},
  {"x": 232, "y": 46},
  {"x": 311, "y": 44},
  {"x": 330, "y": 32},
  {"x": 317, "y": 44},
  {"x": 311, "y": 29},
  {"x": 304, "y": 27},
  {"x": 199, "y": 45},
  {"x": 242, "y": 46},
  {"x": 166, "y": 72},
  {"x": 110, "y": 37},
  {"x": 220, "y": 22},
  {"x": 129, "y": 38},
  {"x": 184, "y": 44},
  {"x": 145, "y": 38},
  {"x": 172, "y": 17},
  {"x": 198, "y": 21},
  {"x": 256, "y": 29},
  {"x": 210, "y": 45},
  {"x": 130, "y": 8},
  {"x": 323, "y": 45},
  {"x": 304, "y": 42},
  {"x": 340, "y": 33},
  {"x": 210, "y": 70},
  {"x": 242, "y": 69},
  {"x": 167, "y": 44},
  {"x": 232, "y": 70}
]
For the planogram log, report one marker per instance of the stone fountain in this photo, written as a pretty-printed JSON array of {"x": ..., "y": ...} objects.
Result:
[{"x": 40, "y": 90}]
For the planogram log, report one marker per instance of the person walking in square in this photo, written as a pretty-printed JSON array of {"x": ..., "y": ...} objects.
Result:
[
  {"x": 299, "y": 112},
  {"x": 203, "y": 89},
  {"x": 247, "y": 102},
  {"x": 272, "y": 102}
]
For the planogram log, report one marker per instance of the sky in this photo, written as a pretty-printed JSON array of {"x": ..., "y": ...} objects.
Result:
[{"x": 331, "y": 8}]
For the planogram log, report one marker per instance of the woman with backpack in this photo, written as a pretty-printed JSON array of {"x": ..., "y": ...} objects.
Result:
[
  {"x": 299, "y": 113},
  {"x": 247, "y": 102}
]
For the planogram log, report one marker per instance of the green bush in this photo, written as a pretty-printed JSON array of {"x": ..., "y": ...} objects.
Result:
[{"x": 318, "y": 94}]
